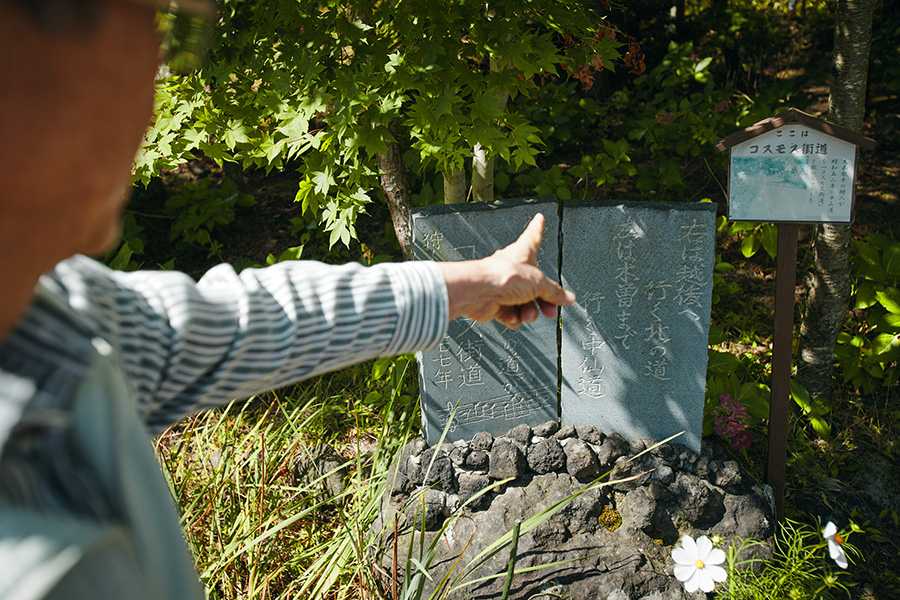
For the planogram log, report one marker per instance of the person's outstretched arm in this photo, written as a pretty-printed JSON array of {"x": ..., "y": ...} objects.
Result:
[{"x": 188, "y": 346}]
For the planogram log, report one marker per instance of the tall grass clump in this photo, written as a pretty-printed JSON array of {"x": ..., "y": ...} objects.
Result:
[
  {"x": 245, "y": 521},
  {"x": 258, "y": 530}
]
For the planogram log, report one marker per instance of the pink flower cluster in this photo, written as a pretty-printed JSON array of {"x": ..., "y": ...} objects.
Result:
[
  {"x": 732, "y": 422},
  {"x": 664, "y": 118}
]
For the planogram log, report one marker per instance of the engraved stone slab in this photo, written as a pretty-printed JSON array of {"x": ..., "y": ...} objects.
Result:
[
  {"x": 634, "y": 346},
  {"x": 499, "y": 377}
]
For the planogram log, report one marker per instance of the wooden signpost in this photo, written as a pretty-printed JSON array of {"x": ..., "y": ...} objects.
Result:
[{"x": 789, "y": 169}]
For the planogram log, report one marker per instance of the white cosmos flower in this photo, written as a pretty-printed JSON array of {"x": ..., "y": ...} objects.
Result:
[
  {"x": 697, "y": 564},
  {"x": 835, "y": 540}
]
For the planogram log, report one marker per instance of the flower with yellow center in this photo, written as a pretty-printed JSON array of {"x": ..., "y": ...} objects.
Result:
[
  {"x": 697, "y": 564},
  {"x": 835, "y": 541}
]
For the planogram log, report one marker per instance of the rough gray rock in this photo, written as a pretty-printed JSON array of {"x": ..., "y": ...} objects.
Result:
[
  {"x": 410, "y": 462},
  {"x": 470, "y": 483},
  {"x": 437, "y": 470},
  {"x": 613, "y": 539},
  {"x": 547, "y": 429},
  {"x": 614, "y": 446},
  {"x": 482, "y": 441},
  {"x": 727, "y": 475},
  {"x": 641, "y": 510},
  {"x": 321, "y": 466},
  {"x": 520, "y": 434},
  {"x": 459, "y": 454},
  {"x": 431, "y": 507},
  {"x": 565, "y": 432},
  {"x": 590, "y": 434},
  {"x": 478, "y": 459},
  {"x": 506, "y": 459},
  {"x": 546, "y": 456},
  {"x": 581, "y": 462}
]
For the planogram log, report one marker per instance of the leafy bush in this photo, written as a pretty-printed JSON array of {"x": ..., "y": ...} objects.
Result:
[
  {"x": 655, "y": 128},
  {"x": 869, "y": 347},
  {"x": 682, "y": 112},
  {"x": 198, "y": 208},
  {"x": 121, "y": 258},
  {"x": 885, "y": 54},
  {"x": 728, "y": 375}
]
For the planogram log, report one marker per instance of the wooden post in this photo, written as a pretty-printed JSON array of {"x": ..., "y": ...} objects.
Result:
[{"x": 782, "y": 341}]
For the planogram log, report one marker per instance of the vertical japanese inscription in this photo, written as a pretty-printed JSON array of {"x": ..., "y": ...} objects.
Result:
[
  {"x": 626, "y": 278},
  {"x": 634, "y": 345},
  {"x": 492, "y": 377}
]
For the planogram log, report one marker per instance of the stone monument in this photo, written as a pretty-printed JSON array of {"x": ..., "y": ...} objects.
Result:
[
  {"x": 494, "y": 377},
  {"x": 632, "y": 353}
]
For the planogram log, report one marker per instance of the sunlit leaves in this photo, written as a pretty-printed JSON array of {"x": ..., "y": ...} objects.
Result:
[{"x": 319, "y": 82}]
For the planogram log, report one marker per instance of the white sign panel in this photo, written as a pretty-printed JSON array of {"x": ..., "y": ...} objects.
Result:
[{"x": 794, "y": 174}]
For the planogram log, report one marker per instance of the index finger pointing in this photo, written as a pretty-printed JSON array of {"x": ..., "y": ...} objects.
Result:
[{"x": 553, "y": 293}]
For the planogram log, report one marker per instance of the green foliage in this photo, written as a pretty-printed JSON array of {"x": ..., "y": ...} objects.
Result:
[
  {"x": 721, "y": 288},
  {"x": 222, "y": 468},
  {"x": 122, "y": 257},
  {"x": 571, "y": 122},
  {"x": 256, "y": 530},
  {"x": 198, "y": 208},
  {"x": 344, "y": 557},
  {"x": 550, "y": 181},
  {"x": 328, "y": 86},
  {"x": 799, "y": 570},
  {"x": 602, "y": 166},
  {"x": 816, "y": 410},
  {"x": 292, "y": 253},
  {"x": 729, "y": 374},
  {"x": 869, "y": 346},
  {"x": 681, "y": 113},
  {"x": 653, "y": 129},
  {"x": 726, "y": 372},
  {"x": 756, "y": 236},
  {"x": 885, "y": 52}
]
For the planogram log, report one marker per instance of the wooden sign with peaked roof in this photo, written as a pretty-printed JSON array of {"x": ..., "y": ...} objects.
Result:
[{"x": 793, "y": 168}]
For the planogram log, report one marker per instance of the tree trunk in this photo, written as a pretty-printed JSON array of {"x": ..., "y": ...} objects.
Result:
[
  {"x": 482, "y": 175},
  {"x": 829, "y": 282},
  {"x": 482, "y": 164},
  {"x": 455, "y": 187},
  {"x": 396, "y": 189}
]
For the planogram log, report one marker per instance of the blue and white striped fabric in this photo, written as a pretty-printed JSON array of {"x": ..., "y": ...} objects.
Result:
[{"x": 186, "y": 347}]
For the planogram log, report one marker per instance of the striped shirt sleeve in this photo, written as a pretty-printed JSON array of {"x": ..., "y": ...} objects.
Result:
[{"x": 188, "y": 346}]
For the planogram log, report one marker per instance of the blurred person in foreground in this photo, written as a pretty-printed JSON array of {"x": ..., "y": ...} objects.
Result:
[{"x": 94, "y": 362}]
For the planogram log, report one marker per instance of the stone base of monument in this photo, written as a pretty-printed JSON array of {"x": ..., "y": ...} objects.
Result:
[{"x": 621, "y": 533}]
